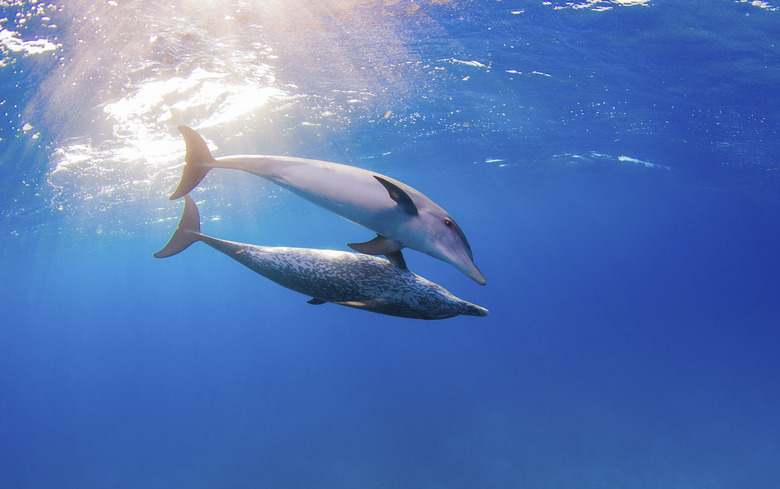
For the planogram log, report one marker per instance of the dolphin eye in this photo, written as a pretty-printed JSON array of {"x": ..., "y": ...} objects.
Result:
[{"x": 448, "y": 223}]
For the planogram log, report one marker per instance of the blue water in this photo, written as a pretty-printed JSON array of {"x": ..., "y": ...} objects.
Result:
[{"x": 613, "y": 164}]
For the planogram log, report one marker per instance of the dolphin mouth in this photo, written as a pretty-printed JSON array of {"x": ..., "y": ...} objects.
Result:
[
  {"x": 465, "y": 262},
  {"x": 476, "y": 275},
  {"x": 466, "y": 265},
  {"x": 478, "y": 311}
]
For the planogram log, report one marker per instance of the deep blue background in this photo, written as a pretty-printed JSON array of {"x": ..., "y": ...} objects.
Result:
[{"x": 633, "y": 331}]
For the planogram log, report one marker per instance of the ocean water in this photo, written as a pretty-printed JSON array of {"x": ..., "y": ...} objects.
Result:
[{"x": 614, "y": 165}]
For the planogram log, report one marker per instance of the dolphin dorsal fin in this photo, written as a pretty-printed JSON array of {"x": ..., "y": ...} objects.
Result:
[
  {"x": 396, "y": 258},
  {"x": 399, "y": 196}
]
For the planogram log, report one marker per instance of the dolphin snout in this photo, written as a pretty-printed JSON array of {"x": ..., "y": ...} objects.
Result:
[
  {"x": 466, "y": 265},
  {"x": 476, "y": 275},
  {"x": 479, "y": 311},
  {"x": 458, "y": 258}
]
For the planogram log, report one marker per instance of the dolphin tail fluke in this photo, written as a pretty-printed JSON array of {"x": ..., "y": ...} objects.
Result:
[
  {"x": 187, "y": 233},
  {"x": 198, "y": 162}
]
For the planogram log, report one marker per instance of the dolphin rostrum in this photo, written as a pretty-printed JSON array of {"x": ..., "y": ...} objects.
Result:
[
  {"x": 400, "y": 215},
  {"x": 350, "y": 279}
]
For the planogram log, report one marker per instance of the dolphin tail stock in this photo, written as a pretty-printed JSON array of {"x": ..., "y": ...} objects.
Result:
[
  {"x": 187, "y": 233},
  {"x": 198, "y": 161}
]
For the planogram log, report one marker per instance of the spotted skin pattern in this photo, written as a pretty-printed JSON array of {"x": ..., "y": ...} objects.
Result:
[{"x": 350, "y": 279}]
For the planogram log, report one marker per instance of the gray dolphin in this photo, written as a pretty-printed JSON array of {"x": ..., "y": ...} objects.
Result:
[
  {"x": 356, "y": 280},
  {"x": 400, "y": 215}
]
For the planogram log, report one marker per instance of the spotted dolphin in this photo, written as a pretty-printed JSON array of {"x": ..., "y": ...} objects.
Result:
[
  {"x": 356, "y": 280},
  {"x": 400, "y": 215}
]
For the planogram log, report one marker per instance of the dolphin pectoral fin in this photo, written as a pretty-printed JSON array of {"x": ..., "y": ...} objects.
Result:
[
  {"x": 316, "y": 302},
  {"x": 198, "y": 160},
  {"x": 377, "y": 246},
  {"x": 399, "y": 196},
  {"x": 187, "y": 233},
  {"x": 396, "y": 258},
  {"x": 365, "y": 303}
]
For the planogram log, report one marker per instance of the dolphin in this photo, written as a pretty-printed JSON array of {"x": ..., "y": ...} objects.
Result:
[
  {"x": 400, "y": 215},
  {"x": 367, "y": 282}
]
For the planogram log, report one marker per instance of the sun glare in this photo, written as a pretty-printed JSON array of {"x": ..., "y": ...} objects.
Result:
[
  {"x": 189, "y": 67},
  {"x": 134, "y": 73}
]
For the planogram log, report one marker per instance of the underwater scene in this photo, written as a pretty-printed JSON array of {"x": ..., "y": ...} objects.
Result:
[{"x": 434, "y": 244}]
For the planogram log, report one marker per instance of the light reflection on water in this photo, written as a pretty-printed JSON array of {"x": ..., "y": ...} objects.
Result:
[
  {"x": 132, "y": 72},
  {"x": 145, "y": 78},
  {"x": 280, "y": 77}
]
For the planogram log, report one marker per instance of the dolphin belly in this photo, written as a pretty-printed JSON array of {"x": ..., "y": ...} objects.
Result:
[{"x": 351, "y": 193}]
